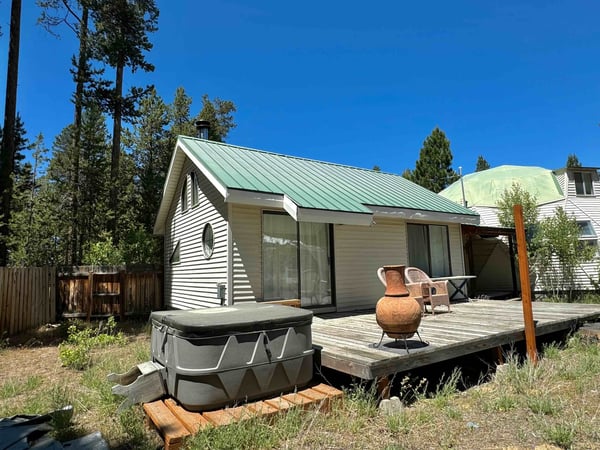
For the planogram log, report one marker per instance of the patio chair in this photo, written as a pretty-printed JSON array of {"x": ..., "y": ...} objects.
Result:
[{"x": 433, "y": 292}]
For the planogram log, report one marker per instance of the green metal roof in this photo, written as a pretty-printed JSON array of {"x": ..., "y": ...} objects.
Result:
[
  {"x": 313, "y": 184},
  {"x": 486, "y": 187}
]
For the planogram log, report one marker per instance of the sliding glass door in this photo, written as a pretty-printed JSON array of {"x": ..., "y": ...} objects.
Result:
[
  {"x": 296, "y": 260},
  {"x": 429, "y": 249}
]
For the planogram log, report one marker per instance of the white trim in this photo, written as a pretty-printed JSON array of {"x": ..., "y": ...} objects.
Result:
[
  {"x": 215, "y": 182},
  {"x": 252, "y": 198},
  {"x": 290, "y": 207},
  {"x": 229, "y": 298},
  {"x": 423, "y": 216},
  {"x": 334, "y": 217}
]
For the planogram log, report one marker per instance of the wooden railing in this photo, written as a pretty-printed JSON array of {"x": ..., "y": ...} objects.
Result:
[
  {"x": 27, "y": 298},
  {"x": 30, "y": 297}
]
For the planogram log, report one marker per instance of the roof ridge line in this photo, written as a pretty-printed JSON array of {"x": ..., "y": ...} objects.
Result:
[{"x": 241, "y": 147}]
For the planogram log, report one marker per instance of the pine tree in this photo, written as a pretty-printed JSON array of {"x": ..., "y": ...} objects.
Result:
[
  {"x": 29, "y": 222},
  {"x": 220, "y": 115},
  {"x": 75, "y": 15},
  {"x": 120, "y": 41},
  {"x": 8, "y": 147},
  {"x": 433, "y": 169},
  {"x": 180, "y": 114},
  {"x": 482, "y": 164},
  {"x": 151, "y": 150},
  {"x": 573, "y": 161}
]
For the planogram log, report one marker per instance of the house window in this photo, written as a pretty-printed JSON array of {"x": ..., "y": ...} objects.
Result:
[
  {"x": 587, "y": 235},
  {"x": 296, "y": 260},
  {"x": 184, "y": 196},
  {"x": 429, "y": 249},
  {"x": 195, "y": 188},
  {"x": 174, "y": 259},
  {"x": 583, "y": 183},
  {"x": 208, "y": 241}
]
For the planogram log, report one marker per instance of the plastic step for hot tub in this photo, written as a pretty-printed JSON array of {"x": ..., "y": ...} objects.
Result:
[{"x": 143, "y": 383}]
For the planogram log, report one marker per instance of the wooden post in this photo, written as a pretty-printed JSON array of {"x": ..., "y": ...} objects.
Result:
[
  {"x": 525, "y": 286},
  {"x": 91, "y": 298}
]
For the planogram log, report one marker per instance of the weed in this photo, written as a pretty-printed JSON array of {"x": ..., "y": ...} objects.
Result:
[
  {"x": 76, "y": 351},
  {"x": 504, "y": 403},
  {"x": 13, "y": 387},
  {"x": 446, "y": 388},
  {"x": 543, "y": 405},
  {"x": 247, "y": 434},
  {"x": 560, "y": 434},
  {"x": 452, "y": 413}
]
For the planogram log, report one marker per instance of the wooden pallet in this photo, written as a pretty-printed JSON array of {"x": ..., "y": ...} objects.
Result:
[{"x": 175, "y": 423}]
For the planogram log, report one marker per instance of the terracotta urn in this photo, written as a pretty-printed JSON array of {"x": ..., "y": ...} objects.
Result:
[{"x": 398, "y": 314}]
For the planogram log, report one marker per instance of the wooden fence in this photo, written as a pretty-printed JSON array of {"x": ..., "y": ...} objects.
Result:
[
  {"x": 30, "y": 297},
  {"x": 27, "y": 298}
]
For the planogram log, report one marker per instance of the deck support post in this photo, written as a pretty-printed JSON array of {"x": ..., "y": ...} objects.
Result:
[{"x": 383, "y": 387}]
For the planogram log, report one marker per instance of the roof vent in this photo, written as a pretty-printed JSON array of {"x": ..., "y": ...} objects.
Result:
[{"x": 202, "y": 127}]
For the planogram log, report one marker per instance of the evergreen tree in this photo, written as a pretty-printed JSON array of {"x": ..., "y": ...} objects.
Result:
[
  {"x": 29, "y": 239},
  {"x": 151, "y": 150},
  {"x": 220, "y": 115},
  {"x": 120, "y": 41},
  {"x": 180, "y": 115},
  {"x": 482, "y": 164},
  {"x": 9, "y": 145},
  {"x": 75, "y": 15},
  {"x": 573, "y": 161},
  {"x": 433, "y": 169}
]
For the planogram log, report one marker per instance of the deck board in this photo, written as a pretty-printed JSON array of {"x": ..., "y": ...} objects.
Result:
[{"x": 346, "y": 340}]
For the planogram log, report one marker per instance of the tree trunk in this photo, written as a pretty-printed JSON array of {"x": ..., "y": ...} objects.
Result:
[
  {"x": 116, "y": 152},
  {"x": 7, "y": 153},
  {"x": 80, "y": 80}
]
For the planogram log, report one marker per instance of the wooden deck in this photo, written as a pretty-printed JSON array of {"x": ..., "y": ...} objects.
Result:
[{"x": 347, "y": 341}]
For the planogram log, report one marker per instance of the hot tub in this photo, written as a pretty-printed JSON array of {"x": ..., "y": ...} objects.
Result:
[{"x": 219, "y": 356}]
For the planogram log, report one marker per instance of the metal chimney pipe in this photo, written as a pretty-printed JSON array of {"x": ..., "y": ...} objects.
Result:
[{"x": 202, "y": 127}]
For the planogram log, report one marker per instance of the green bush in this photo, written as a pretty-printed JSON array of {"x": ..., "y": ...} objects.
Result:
[{"x": 76, "y": 351}]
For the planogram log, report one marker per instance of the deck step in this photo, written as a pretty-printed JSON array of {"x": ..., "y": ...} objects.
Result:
[{"x": 175, "y": 423}]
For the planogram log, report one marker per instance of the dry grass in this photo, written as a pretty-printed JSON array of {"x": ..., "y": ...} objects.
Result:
[{"x": 551, "y": 405}]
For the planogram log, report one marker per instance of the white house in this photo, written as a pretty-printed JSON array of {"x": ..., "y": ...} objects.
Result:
[
  {"x": 576, "y": 190},
  {"x": 247, "y": 225}
]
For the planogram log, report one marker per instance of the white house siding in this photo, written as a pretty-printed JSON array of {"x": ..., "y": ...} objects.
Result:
[
  {"x": 488, "y": 216},
  {"x": 192, "y": 283},
  {"x": 359, "y": 252},
  {"x": 245, "y": 222},
  {"x": 586, "y": 208}
]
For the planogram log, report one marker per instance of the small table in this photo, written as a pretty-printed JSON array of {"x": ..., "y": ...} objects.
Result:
[{"x": 458, "y": 282}]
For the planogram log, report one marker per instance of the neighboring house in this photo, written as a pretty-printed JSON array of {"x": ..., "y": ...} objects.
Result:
[
  {"x": 248, "y": 225},
  {"x": 576, "y": 190}
]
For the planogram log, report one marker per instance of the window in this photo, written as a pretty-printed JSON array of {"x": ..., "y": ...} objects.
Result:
[
  {"x": 429, "y": 249},
  {"x": 587, "y": 235},
  {"x": 208, "y": 241},
  {"x": 174, "y": 259},
  {"x": 184, "y": 196},
  {"x": 195, "y": 188},
  {"x": 296, "y": 260},
  {"x": 583, "y": 183}
]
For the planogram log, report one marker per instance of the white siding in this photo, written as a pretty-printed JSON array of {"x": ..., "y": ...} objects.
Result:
[
  {"x": 585, "y": 208},
  {"x": 246, "y": 230},
  {"x": 359, "y": 252},
  {"x": 193, "y": 282},
  {"x": 488, "y": 216}
]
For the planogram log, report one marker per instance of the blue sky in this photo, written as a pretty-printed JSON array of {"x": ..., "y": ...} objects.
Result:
[{"x": 361, "y": 83}]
